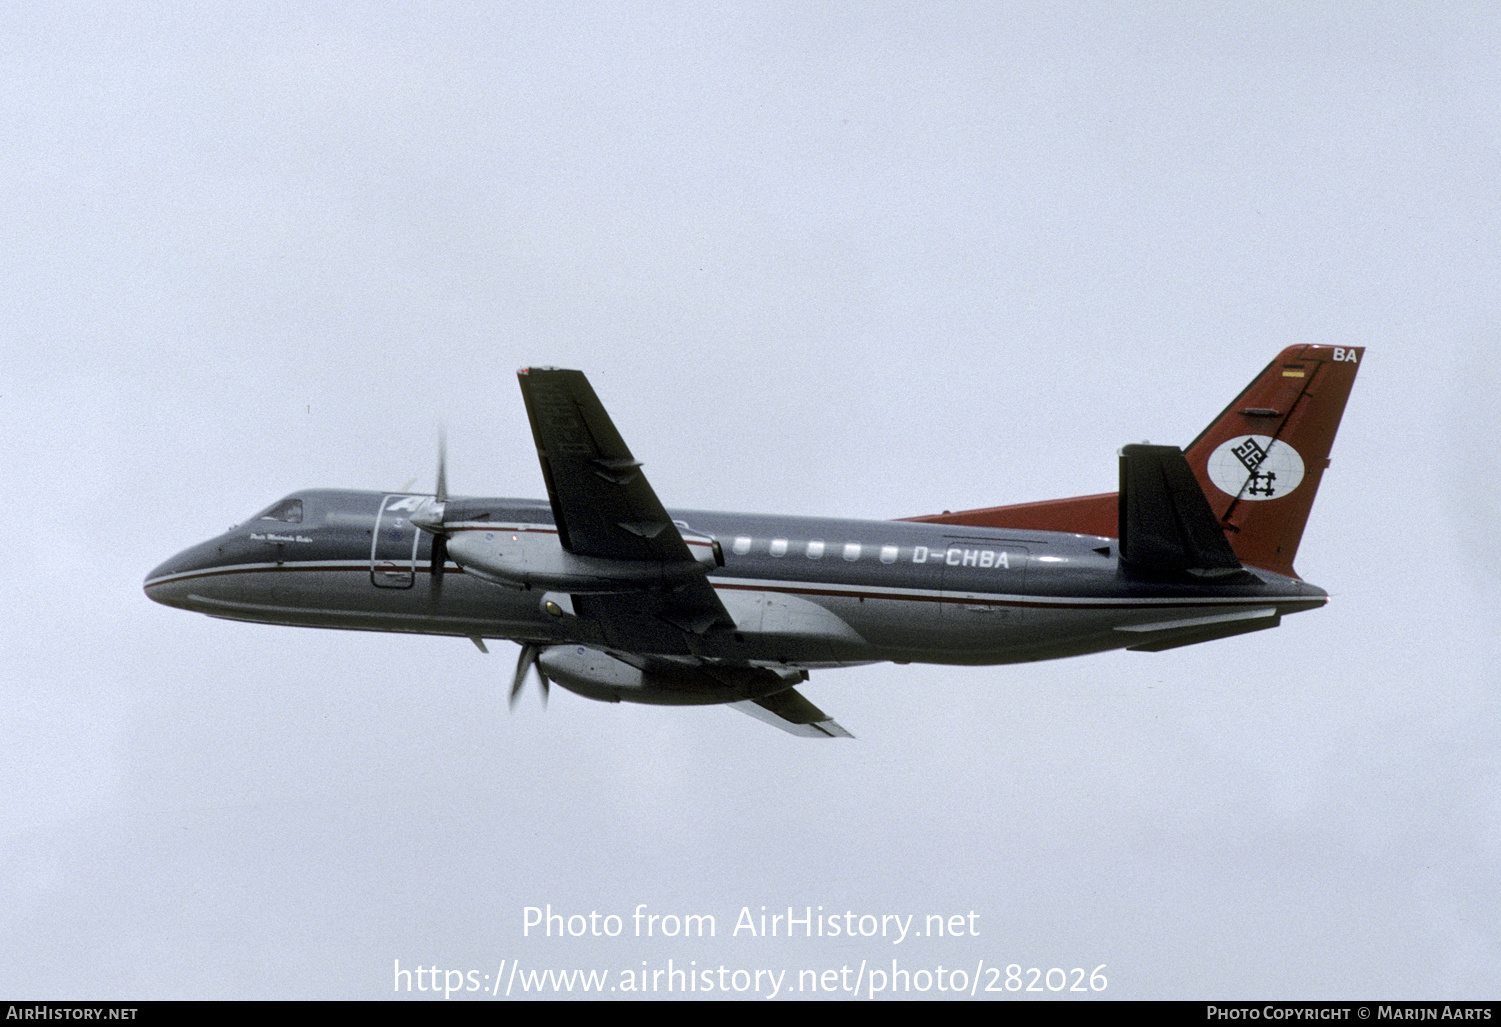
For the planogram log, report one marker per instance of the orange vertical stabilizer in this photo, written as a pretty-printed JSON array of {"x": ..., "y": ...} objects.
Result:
[{"x": 1259, "y": 463}]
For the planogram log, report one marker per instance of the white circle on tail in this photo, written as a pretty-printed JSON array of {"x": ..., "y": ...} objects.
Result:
[{"x": 1255, "y": 467}]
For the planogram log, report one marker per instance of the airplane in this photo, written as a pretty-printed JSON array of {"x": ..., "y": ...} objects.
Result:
[{"x": 615, "y": 598}]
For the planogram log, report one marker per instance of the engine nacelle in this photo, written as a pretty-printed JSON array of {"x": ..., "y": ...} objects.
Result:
[
  {"x": 600, "y": 676},
  {"x": 533, "y": 559}
]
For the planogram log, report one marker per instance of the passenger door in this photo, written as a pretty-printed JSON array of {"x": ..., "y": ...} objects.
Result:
[{"x": 393, "y": 547}]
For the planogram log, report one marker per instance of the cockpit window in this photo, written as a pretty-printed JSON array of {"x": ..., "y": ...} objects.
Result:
[{"x": 288, "y": 510}]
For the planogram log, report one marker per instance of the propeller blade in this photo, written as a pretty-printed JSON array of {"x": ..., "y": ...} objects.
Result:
[
  {"x": 430, "y": 519},
  {"x": 525, "y": 662},
  {"x": 439, "y": 560}
]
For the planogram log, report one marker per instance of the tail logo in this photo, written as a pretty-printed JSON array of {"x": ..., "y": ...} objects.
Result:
[{"x": 1255, "y": 467}]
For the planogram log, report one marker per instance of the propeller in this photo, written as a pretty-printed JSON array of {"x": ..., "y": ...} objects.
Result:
[
  {"x": 430, "y": 519},
  {"x": 528, "y": 662}
]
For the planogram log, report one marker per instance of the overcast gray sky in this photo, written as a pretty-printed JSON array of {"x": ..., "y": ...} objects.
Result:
[{"x": 871, "y": 260}]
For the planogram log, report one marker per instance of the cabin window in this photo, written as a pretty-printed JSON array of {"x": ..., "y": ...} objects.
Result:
[
  {"x": 852, "y": 551},
  {"x": 742, "y": 546},
  {"x": 815, "y": 549},
  {"x": 888, "y": 554},
  {"x": 778, "y": 547}
]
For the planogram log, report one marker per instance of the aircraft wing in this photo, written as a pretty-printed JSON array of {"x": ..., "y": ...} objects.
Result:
[
  {"x": 665, "y": 622},
  {"x": 794, "y": 714},
  {"x": 604, "y": 507}
]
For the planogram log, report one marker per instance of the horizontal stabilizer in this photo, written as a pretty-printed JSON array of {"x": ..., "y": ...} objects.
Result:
[
  {"x": 1165, "y": 522},
  {"x": 793, "y": 713},
  {"x": 1207, "y": 620},
  {"x": 1192, "y": 634}
]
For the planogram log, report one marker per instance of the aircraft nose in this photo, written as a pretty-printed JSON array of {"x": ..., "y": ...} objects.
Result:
[
  {"x": 170, "y": 582},
  {"x": 162, "y": 585}
]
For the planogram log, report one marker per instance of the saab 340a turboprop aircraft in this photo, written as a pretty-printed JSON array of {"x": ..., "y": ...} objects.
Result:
[{"x": 614, "y": 597}]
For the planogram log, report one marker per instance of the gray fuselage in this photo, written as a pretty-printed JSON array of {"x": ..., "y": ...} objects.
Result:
[{"x": 803, "y": 592}]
